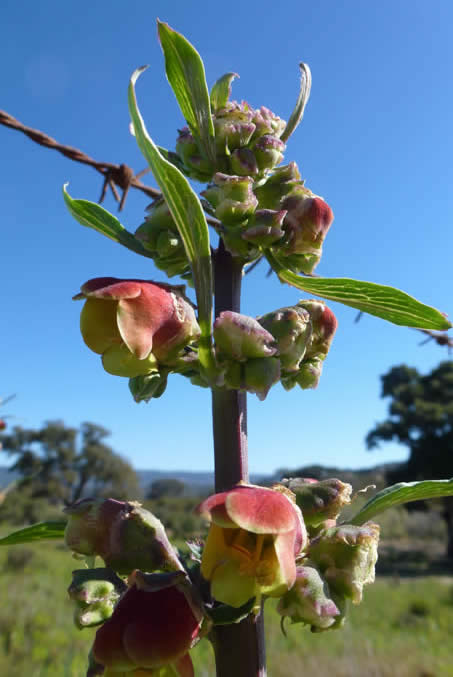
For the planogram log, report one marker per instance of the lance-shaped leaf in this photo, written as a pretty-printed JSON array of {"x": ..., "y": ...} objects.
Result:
[
  {"x": 403, "y": 492},
  {"x": 189, "y": 217},
  {"x": 43, "y": 531},
  {"x": 186, "y": 75},
  {"x": 386, "y": 302},
  {"x": 221, "y": 90},
  {"x": 94, "y": 216},
  {"x": 304, "y": 94}
]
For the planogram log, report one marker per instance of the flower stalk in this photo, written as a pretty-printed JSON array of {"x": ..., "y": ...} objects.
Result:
[{"x": 240, "y": 647}]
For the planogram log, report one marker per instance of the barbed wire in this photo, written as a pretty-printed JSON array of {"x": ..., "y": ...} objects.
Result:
[{"x": 114, "y": 175}]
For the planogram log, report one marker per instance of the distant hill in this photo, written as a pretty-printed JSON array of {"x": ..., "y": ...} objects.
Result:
[{"x": 203, "y": 482}]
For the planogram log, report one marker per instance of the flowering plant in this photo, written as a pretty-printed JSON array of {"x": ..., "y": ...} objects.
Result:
[{"x": 288, "y": 541}]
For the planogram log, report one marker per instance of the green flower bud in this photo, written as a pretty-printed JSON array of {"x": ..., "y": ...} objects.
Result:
[
  {"x": 309, "y": 601},
  {"x": 239, "y": 246},
  {"x": 144, "y": 388},
  {"x": 321, "y": 500},
  {"x": 346, "y": 556},
  {"x": 292, "y": 329},
  {"x": 231, "y": 134},
  {"x": 194, "y": 164},
  {"x": 95, "y": 592},
  {"x": 280, "y": 184},
  {"x": 268, "y": 151},
  {"x": 266, "y": 122},
  {"x": 264, "y": 228},
  {"x": 260, "y": 375},
  {"x": 243, "y": 162},
  {"x": 159, "y": 235},
  {"x": 242, "y": 337},
  {"x": 232, "y": 197}
]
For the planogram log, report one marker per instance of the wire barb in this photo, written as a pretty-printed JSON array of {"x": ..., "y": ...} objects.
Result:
[{"x": 114, "y": 175}]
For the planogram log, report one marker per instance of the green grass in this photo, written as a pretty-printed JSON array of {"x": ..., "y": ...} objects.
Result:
[{"x": 403, "y": 628}]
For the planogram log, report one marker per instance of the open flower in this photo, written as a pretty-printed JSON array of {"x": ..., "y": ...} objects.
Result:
[
  {"x": 153, "y": 627},
  {"x": 135, "y": 323},
  {"x": 254, "y": 537}
]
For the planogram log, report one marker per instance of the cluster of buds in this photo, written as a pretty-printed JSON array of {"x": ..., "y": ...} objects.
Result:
[
  {"x": 289, "y": 344},
  {"x": 123, "y": 534},
  {"x": 160, "y": 236},
  {"x": 247, "y": 143},
  {"x": 339, "y": 559},
  {"x": 135, "y": 618}
]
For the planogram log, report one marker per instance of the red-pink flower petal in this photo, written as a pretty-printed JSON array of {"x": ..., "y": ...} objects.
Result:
[
  {"x": 260, "y": 510},
  {"x": 111, "y": 288}
]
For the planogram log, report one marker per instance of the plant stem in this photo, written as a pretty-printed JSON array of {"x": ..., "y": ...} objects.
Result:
[{"x": 239, "y": 648}]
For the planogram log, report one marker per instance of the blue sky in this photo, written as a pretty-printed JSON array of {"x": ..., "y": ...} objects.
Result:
[{"x": 376, "y": 143}]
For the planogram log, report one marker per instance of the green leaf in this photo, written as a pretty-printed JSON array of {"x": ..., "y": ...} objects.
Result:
[
  {"x": 388, "y": 303},
  {"x": 186, "y": 75},
  {"x": 94, "y": 216},
  {"x": 189, "y": 217},
  {"x": 43, "y": 531},
  {"x": 403, "y": 492},
  {"x": 304, "y": 94},
  {"x": 221, "y": 90}
]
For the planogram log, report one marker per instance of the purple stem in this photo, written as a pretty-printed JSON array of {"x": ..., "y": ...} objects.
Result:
[{"x": 239, "y": 648}]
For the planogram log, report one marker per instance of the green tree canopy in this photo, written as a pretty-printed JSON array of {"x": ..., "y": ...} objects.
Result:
[
  {"x": 61, "y": 464},
  {"x": 421, "y": 418}
]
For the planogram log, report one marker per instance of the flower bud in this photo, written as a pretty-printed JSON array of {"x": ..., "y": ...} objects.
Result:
[
  {"x": 264, "y": 228},
  {"x": 243, "y": 162},
  {"x": 324, "y": 326},
  {"x": 125, "y": 535},
  {"x": 260, "y": 375},
  {"x": 292, "y": 329},
  {"x": 195, "y": 165},
  {"x": 159, "y": 235},
  {"x": 306, "y": 224},
  {"x": 309, "y": 601},
  {"x": 133, "y": 323},
  {"x": 148, "y": 386},
  {"x": 346, "y": 556},
  {"x": 95, "y": 592},
  {"x": 231, "y": 134},
  {"x": 232, "y": 197},
  {"x": 266, "y": 122},
  {"x": 268, "y": 151},
  {"x": 154, "y": 625},
  {"x": 242, "y": 337},
  {"x": 281, "y": 182},
  {"x": 321, "y": 500}
]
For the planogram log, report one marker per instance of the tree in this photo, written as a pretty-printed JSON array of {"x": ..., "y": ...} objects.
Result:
[
  {"x": 62, "y": 464},
  {"x": 421, "y": 418},
  {"x": 166, "y": 487}
]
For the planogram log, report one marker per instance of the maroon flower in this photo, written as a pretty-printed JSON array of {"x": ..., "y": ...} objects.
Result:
[{"x": 151, "y": 627}]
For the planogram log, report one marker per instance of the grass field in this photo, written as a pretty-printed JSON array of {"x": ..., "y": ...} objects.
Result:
[{"x": 403, "y": 628}]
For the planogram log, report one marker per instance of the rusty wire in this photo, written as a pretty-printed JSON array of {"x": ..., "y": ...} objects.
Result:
[{"x": 114, "y": 175}]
